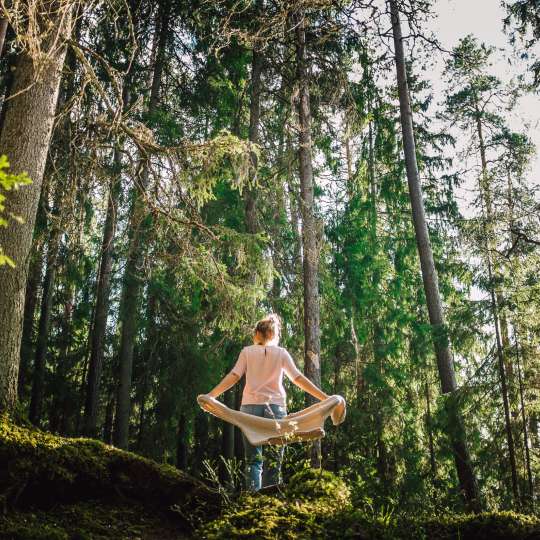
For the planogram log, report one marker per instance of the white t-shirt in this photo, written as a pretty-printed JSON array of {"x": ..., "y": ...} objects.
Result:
[{"x": 264, "y": 366}]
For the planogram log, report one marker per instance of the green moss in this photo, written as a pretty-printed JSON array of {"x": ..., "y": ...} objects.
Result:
[
  {"x": 264, "y": 517},
  {"x": 40, "y": 469},
  {"x": 90, "y": 520},
  {"x": 485, "y": 526},
  {"x": 316, "y": 505},
  {"x": 318, "y": 484},
  {"x": 79, "y": 489},
  {"x": 299, "y": 511}
]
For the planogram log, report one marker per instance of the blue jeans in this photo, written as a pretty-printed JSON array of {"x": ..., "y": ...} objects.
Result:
[{"x": 255, "y": 477}]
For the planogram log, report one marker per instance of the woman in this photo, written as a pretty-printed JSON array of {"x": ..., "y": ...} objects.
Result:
[{"x": 264, "y": 364}]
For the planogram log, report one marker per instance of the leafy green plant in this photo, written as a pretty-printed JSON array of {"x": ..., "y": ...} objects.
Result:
[{"x": 9, "y": 182}]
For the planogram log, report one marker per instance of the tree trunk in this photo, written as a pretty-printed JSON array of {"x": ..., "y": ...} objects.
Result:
[
  {"x": 109, "y": 418},
  {"x": 149, "y": 361},
  {"x": 382, "y": 464},
  {"x": 30, "y": 303},
  {"x": 36, "y": 402},
  {"x": 3, "y": 32},
  {"x": 85, "y": 293},
  {"x": 496, "y": 295},
  {"x": 227, "y": 440},
  {"x": 101, "y": 313},
  {"x": 429, "y": 429},
  {"x": 309, "y": 224},
  {"x": 25, "y": 138},
  {"x": 238, "y": 440},
  {"x": 254, "y": 119},
  {"x": 132, "y": 284},
  {"x": 201, "y": 432},
  {"x": 181, "y": 445},
  {"x": 530, "y": 483},
  {"x": 228, "y": 432},
  {"x": 533, "y": 430},
  {"x": 61, "y": 405},
  {"x": 455, "y": 428},
  {"x": 250, "y": 206}
]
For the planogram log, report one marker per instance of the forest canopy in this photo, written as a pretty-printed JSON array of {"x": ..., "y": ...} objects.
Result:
[{"x": 171, "y": 172}]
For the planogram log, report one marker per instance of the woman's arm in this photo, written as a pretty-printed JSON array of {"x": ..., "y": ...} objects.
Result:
[
  {"x": 305, "y": 384},
  {"x": 229, "y": 380}
]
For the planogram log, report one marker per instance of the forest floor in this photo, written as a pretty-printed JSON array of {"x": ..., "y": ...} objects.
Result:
[
  {"x": 89, "y": 520},
  {"x": 55, "y": 488}
]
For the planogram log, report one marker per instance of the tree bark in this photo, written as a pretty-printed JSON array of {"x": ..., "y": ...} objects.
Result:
[
  {"x": 101, "y": 311},
  {"x": 3, "y": 32},
  {"x": 309, "y": 223},
  {"x": 227, "y": 439},
  {"x": 36, "y": 402},
  {"x": 132, "y": 284},
  {"x": 533, "y": 430},
  {"x": 238, "y": 441},
  {"x": 25, "y": 138},
  {"x": 109, "y": 418},
  {"x": 429, "y": 429},
  {"x": 149, "y": 362},
  {"x": 530, "y": 483},
  {"x": 228, "y": 431},
  {"x": 30, "y": 303},
  {"x": 181, "y": 448},
  {"x": 201, "y": 438},
  {"x": 455, "y": 428},
  {"x": 129, "y": 321},
  {"x": 62, "y": 404}
]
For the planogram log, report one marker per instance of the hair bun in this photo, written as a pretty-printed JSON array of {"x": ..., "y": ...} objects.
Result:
[{"x": 268, "y": 327}]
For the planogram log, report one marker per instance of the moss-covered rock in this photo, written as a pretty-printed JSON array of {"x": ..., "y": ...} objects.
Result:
[
  {"x": 301, "y": 510},
  {"x": 318, "y": 484},
  {"x": 38, "y": 469}
]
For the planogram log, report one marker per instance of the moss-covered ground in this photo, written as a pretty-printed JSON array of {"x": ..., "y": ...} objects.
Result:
[
  {"x": 317, "y": 505},
  {"x": 57, "y": 488},
  {"x": 91, "y": 520}
]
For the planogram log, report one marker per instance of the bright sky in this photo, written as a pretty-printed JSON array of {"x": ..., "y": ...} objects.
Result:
[{"x": 484, "y": 19}]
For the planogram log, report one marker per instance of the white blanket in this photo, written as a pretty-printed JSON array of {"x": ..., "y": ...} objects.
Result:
[{"x": 304, "y": 425}]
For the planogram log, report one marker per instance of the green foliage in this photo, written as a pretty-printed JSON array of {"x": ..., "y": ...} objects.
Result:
[
  {"x": 523, "y": 21},
  {"x": 8, "y": 182},
  {"x": 224, "y": 158}
]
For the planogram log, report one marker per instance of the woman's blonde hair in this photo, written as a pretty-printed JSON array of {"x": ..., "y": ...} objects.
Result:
[{"x": 267, "y": 328}]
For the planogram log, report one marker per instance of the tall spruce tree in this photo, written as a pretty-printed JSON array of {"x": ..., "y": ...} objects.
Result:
[{"x": 455, "y": 428}]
